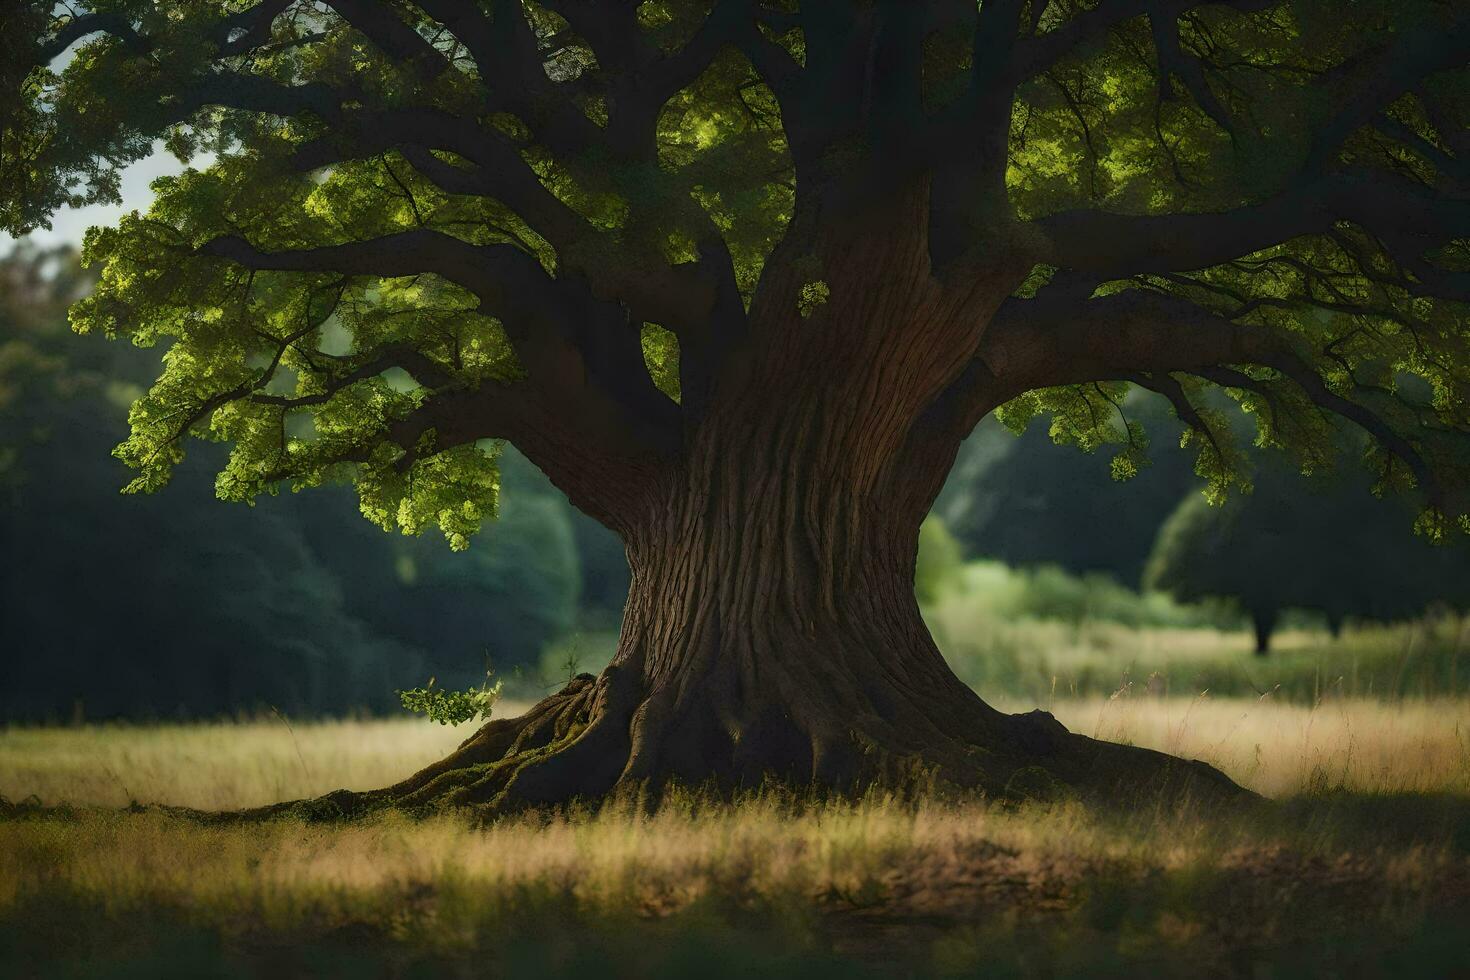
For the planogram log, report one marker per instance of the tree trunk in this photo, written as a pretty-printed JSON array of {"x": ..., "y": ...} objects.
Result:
[
  {"x": 1335, "y": 623},
  {"x": 744, "y": 658},
  {"x": 1264, "y": 623},
  {"x": 771, "y": 628}
]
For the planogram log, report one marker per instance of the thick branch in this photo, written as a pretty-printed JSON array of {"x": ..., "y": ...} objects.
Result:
[
  {"x": 488, "y": 271},
  {"x": 1175, "y": 63},
  {"x": 1380, "y": 78},
  {"x": 1032, "y": 56},
  {"x": 1115, "y": 246},
  {"x": 86, "y": 25},
  {"x": 1145, "y": 337},
  {"x": 235, "y": 34},
  {"x": 573, "y": 347},
  {"x": 1045, "y": 342}
]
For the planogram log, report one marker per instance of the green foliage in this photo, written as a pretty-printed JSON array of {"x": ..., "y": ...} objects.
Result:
[
  {"x": 289, "y": 367},
  {"x": 230, "y": 330},
  {"x": 1025, "y": 501},
  {"x": 452, "y": 707},
  {"x": 454, "y": 490},
  {"x": 661, "y": 355},
  {"x": 939, "y": 559},
  {"x": 1037, "y": 634},
  {"x": 812, "y": 295},
  {"x": 292, "y": 334},
  {"x": 1102, "y": 130},
  {"x": 1049, "y": 593}
]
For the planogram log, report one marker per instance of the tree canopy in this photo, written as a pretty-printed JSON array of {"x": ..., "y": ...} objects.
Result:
[{"x": 427, "y": 225}]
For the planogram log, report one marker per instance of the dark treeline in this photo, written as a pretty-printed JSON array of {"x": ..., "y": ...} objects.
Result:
[
  {"x": 177, "y": 604},
  {"x": 1025, "y": 501}
]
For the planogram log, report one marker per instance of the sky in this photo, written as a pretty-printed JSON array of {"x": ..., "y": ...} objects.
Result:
[{"x": 70, "y": 224}]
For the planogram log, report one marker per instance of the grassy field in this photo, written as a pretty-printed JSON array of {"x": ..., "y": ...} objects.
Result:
[
  {"x": 1036, "y": 659},
  {"x": 1273, "y": 747},
  {"x": 1362, "y": 865},
  {"x": 1077, "y": 651}
]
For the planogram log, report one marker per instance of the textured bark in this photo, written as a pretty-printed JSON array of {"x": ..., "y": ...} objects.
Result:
[{"x": 755, "y": 647}]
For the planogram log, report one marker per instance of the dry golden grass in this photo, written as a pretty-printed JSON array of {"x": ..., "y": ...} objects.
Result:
[
  {"x": 1274, "y": 748},
  {"x": 1280, "y": 749},
  {"x": 621, "y": 858},
  {"x": 954, "y": 889},
  {"x": 217, "y": 766},
  {"x": 1316, "y": 884}
]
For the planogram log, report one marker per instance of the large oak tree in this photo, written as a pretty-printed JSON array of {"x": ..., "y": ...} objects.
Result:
[{"x": 739, "y": 276}]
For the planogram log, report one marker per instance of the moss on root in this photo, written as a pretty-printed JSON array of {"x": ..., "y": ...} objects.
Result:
[{"x": 542, "y": 760}]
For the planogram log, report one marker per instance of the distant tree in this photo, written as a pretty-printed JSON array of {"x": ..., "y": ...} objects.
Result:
[
  {"x": 1027, "y": 501},
  {"x": 38, "y": 366},
  {"x": 504, "y": 601},
  {"x": 1322, "y": 544},
  {"x": 605, "y": 574},
  {"x": 739, "y": 277}
]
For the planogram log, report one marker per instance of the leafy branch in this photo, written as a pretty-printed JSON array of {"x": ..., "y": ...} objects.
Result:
[{"x": 453, "y": 707}]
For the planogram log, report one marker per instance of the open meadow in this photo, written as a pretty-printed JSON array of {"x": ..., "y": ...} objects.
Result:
[
  {"x": 1276, "y": 748},
  {"x": 1360, "y": 864}
]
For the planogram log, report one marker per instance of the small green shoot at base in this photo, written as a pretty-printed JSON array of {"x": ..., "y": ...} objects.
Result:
[{"x": 453, "y": 707}]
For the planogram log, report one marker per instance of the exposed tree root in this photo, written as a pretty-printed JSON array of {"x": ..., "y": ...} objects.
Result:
[{"x": 595, "y": 739}]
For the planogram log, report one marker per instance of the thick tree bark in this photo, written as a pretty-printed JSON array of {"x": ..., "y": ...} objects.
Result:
[{"x": 750, "y": 652}]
